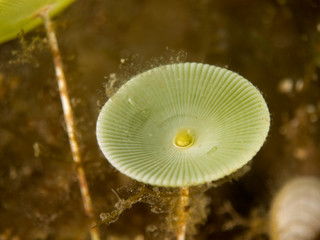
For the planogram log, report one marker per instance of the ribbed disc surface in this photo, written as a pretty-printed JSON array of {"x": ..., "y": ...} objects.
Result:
[
  {"x": 17, "y": 15},
  {"x": 225, "y": 114}
]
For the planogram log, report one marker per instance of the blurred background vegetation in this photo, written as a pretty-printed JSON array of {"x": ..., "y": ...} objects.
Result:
[{"x": 275, "y": 44}]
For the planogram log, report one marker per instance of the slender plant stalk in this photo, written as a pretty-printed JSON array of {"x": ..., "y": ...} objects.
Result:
[
  {"x": 69, "y": 120},
  {"x": 182, "y": 213}
]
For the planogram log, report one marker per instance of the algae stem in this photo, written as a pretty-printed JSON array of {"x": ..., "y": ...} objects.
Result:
[
  {"x": 69, "y": 120},
  {"x": 182, "y": 213}
]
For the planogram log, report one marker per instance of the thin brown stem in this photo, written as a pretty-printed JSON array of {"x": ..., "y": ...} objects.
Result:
[
  {"x": 69, "y": 121},
  {"x": 182, "y": 213}
]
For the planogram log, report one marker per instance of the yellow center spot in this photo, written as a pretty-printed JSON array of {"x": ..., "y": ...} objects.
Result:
[{"x": 183, "y": 139}]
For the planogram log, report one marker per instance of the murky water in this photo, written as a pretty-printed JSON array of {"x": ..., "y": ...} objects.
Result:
[{"x": 274, "y": 44}]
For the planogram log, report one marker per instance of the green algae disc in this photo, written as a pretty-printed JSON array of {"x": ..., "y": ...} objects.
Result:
[
  {"x": 183, "y": 124},
  {"x": 18, "y": 15}
]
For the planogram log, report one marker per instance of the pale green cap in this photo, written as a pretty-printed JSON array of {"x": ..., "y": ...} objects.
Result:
[{"x": 183, "y": 124}]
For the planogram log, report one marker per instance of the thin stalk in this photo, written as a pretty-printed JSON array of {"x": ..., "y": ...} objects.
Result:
[
  {"x": 69, "y": 121},
  {"x": 182, "y": 213}
]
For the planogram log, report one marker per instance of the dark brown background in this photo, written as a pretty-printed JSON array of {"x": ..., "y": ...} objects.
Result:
[{"x": 274, "y": 44}]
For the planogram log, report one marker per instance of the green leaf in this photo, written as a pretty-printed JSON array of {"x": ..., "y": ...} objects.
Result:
[{"x": 22, "y": 15}]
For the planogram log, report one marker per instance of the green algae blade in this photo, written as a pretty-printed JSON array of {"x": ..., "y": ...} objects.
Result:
[{"x": 22, "y": 15}]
